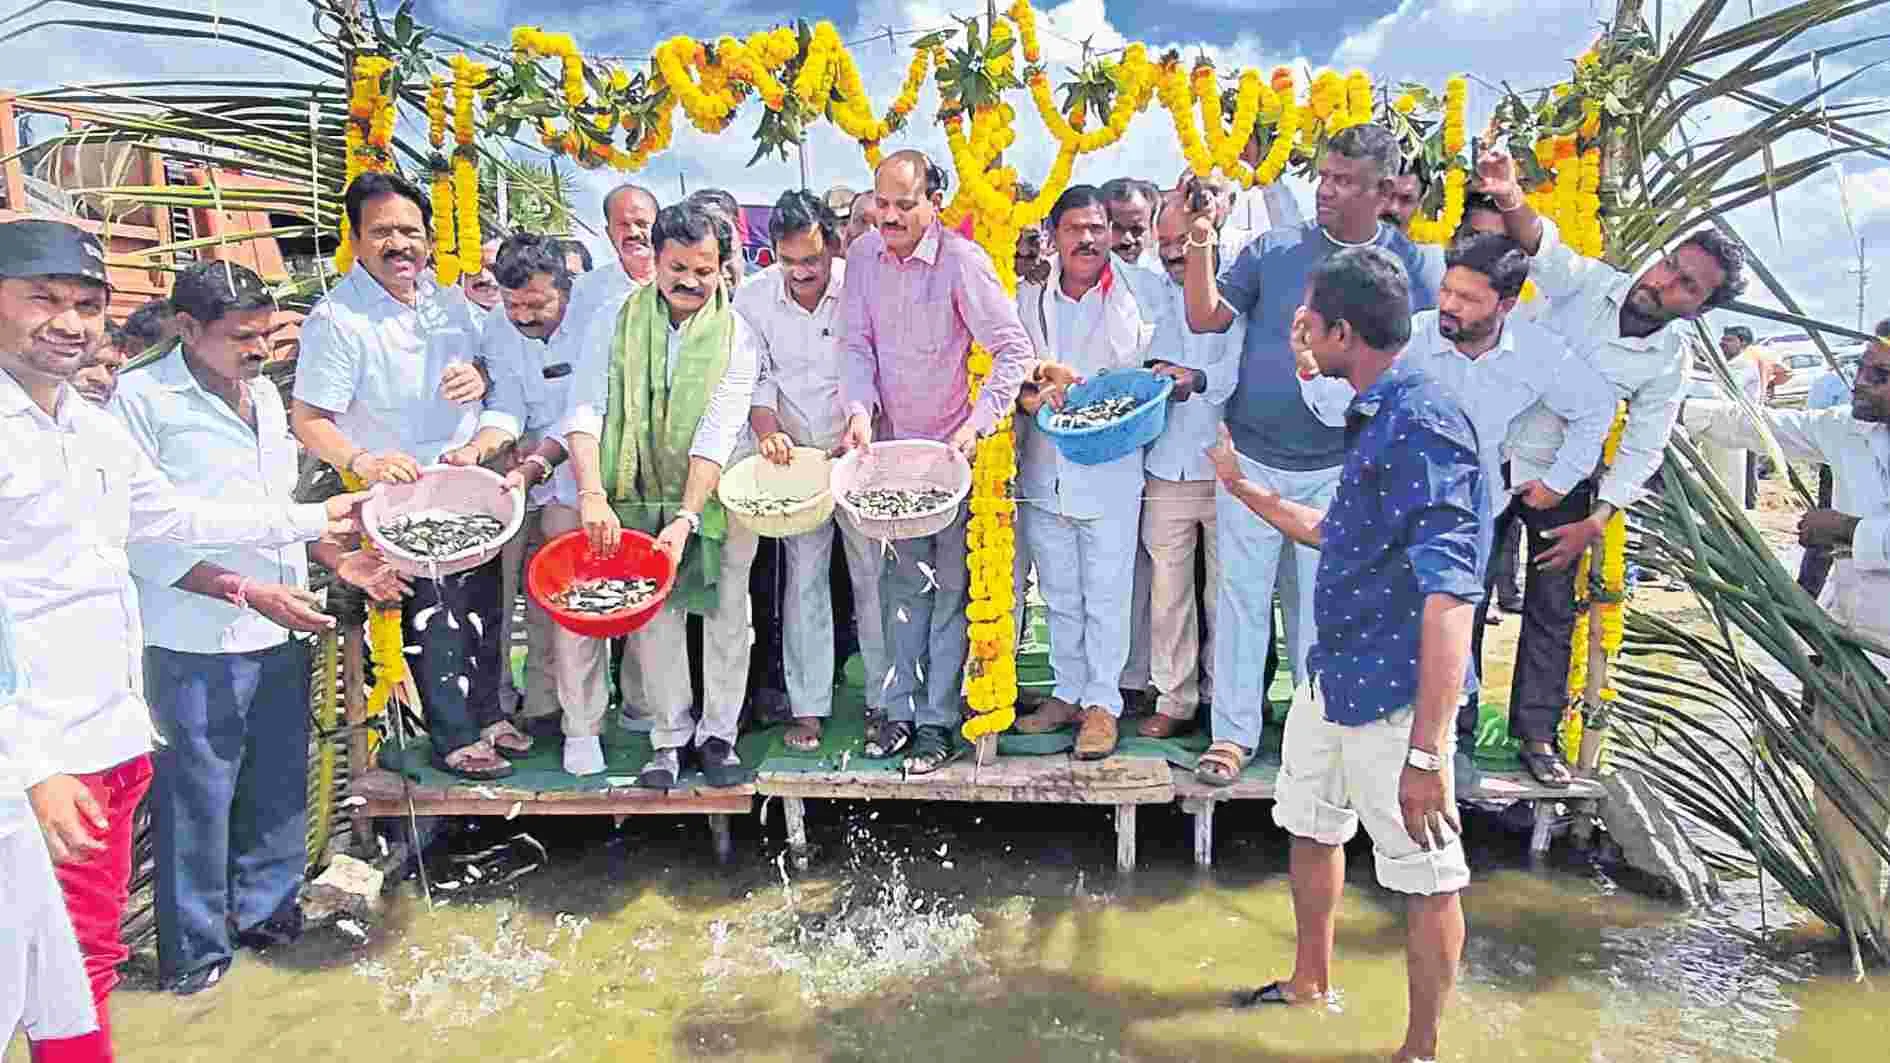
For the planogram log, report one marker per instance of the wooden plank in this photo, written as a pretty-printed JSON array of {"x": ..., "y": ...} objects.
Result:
[
  {"x": 1494, "y": 786},
  {"x": 386, "y": 797},
  {"x": 12, "y": 171},
  {"x": 1046, "y": 780},
  {"x": 1203, "y": 813}
]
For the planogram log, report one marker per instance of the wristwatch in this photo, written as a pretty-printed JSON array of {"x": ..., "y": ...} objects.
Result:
[
  {"x": 694, "y": 519},
  {"x": 1423, "y": 760}
]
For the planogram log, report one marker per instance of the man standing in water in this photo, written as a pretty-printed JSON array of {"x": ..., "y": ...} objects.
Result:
[{"x": 1401, "y": 557}]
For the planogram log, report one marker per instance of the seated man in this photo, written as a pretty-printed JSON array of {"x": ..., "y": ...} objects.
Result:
[{"x": 659, "y": 404}]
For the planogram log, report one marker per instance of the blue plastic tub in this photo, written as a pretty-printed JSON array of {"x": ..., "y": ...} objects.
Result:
[{"x": 1106, "y": 443}]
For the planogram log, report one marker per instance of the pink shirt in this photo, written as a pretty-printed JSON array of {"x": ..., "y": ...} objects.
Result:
[{"x": 909, "y": 325}]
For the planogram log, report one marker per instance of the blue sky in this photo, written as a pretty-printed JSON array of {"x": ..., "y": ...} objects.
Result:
[{"x": 1520, "y": 42}]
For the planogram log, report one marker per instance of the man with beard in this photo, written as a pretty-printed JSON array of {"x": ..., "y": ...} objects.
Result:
[
  {"x": 1081, "y": 520},
  {"x": 482, "y": 291},
  {"x": 916, "y": 297},
  {"x": 77, "y": 490},
  {"x": 659, "y": 404},
  {"x": 794, "y": 307},
  {"x": 384, "y": 386},
  {"x": 1499, "y": 369},
  {"x": 1854, "y": 441},
  {"x": 1285, "y": 427},
  {"x": 228, "y": 686},
  {"x": 1131, "y": 206},
  {"x": 1629, "y": 327}
]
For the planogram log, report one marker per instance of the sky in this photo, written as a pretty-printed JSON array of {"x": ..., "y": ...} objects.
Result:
[{"x": 1523, "y": 43}]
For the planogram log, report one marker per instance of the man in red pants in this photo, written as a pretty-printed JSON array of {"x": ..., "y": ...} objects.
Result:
[{"x": 75, "y": 490}]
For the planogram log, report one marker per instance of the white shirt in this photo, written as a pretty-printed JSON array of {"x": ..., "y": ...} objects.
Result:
[
  {"x": 375, "y": 363},
  {"x": 599, "y": 291},
  {"x": 724, "y": 419},
  {"x": 1858, "y": 592},
  {"x": 195, "y": 439},
  {"x": 531, "y": 390},
  {"x": 76, "y": 489},
  {"x": 800, "y": 355},
  {"x": 1106, "y": 329},
  {"x": 14, "y": 811},
  {"x": 1180, "y": 452},
  {"x": 1528, "y": 365},
  {"x": 1585, "y": 296}
]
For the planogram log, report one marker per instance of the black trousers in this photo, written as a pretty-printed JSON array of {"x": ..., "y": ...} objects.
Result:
[
  {"x": 1815, "y": 567},
  {"x": 1505, "y": 578},
  {"x": 457, "y": 668},
  {"x": 1539, "y": 687}
]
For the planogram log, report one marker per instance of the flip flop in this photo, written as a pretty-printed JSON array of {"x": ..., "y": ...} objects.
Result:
[
  {"x": 497, "y": 768},
  {"x": 1547, "y": 769},
  {"x": 507, "y": 740},
  {"x": 1271, "y": 993}
]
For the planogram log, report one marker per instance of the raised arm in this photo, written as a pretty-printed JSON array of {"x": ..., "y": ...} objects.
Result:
[{"x": 990, "y": 315}]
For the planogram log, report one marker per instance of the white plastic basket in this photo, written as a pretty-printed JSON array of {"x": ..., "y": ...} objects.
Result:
[
  {"x": 456, "y": 489},
  {"x": 903, "y": 464},
  {"x": 807, "y": 476}
]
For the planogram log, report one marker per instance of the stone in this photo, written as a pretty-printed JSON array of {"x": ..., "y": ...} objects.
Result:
[
  {"x": 347, "y": 887},
  {"x": 1663, "y": 859}
]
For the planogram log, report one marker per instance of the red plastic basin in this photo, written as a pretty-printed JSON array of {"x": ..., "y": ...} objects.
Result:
[{"x": 567, "y": 559}]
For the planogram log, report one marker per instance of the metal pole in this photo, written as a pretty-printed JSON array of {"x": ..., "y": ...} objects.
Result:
[{"x": 801, "y": 154}]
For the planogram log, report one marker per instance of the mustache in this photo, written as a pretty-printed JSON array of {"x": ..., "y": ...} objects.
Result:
[{"x": 686, "y": 289}]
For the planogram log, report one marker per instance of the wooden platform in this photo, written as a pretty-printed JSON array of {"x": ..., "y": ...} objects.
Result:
[
  {"x": 1498, "y": 788},
  {"x": 1122, "y": 782}
]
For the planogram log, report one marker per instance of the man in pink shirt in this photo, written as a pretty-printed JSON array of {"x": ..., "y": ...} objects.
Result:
[{"x": 916, "y": 297}]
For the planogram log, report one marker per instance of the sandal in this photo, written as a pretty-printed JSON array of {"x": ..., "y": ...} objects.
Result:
[
  {"x": 476, "y": 762},
  {"x": 803, "y": 735},
  {"x": 1271, "y": 993},
  {"x": 1221, "y": 764},
  {"x": 1547, "y": 769},
  {"x": 931, "y": 750},
  {"x": 661, "y": 770},
  {"x": 507, "y": 740},
  {"x": 889, "y": 739}
]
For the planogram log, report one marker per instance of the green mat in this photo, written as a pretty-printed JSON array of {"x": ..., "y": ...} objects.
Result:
[{"x": 624, "y": 755}]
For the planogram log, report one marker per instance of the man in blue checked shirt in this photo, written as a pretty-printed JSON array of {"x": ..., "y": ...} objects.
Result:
[{"x": 1401, "y": 553}]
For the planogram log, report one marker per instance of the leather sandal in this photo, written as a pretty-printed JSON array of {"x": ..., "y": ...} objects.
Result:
[
  {"x": 1157, "y": 725},
  {"x": 1053, "y": 715},
  {"x": 1221, "y": 764}
]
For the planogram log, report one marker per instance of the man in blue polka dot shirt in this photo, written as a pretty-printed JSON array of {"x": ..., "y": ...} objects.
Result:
[{"x": 1402, "y": 548}]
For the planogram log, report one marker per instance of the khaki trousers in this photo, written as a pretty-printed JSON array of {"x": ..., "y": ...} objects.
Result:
[
  {"x": 1178, "y": 516},
  {"x": 540, "y": 696}
]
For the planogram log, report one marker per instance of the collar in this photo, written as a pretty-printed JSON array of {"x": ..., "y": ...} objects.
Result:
[
  {"x": 15, "y": 401},
  {"x": 1438, "y": 343},
  {"x": 834, "y": 282},
  {"x": 1104, "y": 284},
  {"x": 370, "y": 291},
  {"x": 929, "y": 244},
  {"x": 1369, "y": 401}
]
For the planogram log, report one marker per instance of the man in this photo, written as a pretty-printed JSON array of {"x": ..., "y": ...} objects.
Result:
[
  {"x": 794, "y": 309},
  {"x": 1498, "y": 370},
  {"x": 660, "y": 400},
  {"x": 724, "y": 204},
  {"x": 1855, "y": 442},
  {"x": 384, "y": 386},
  {"x": 1831, "y": 389},
  {"x": 1030, "y": 263},
  {"x": 145, "y": 328},
  {"x": 1751, "y": 373},
  {"x": 1629, "y": 327},
  {"x": 915, "y": 299},
  {"x": 531, "y": 352},
  {"x": 228, "y": 687},
  {"x": 1401, "y": 547},
  {"x": 1081, "y": 520},
  {"x": 577, "y": 260},
  {"x": 1131, "y": 206},
  {"x": 1178, "y": 511},
  {"x": 629, "y": 212},
  {"x": 1407, "y": 195},
  {"x": 43, "y": 991},
  {"x": 76, "y": 489},
  {"x": 482, "y": 291},
  {"x": 1283, "y": 426},
  {"x": 863, "y": 218}
]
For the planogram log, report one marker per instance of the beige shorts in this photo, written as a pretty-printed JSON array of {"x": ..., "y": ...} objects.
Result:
[{"x": 1335, "y": 777}]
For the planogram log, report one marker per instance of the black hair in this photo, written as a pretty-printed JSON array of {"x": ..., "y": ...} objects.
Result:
[
  {"x": 1731, "y": 256},
  {"x": 209, "y": 290},
  {"x": 798, "y": 212},
  {"x": 720, "y": 200},
  {"x": 1370, "y": 142},
  {"x": 147, "y": 325},
  {"x": 1740, "y": 331},
  {"x": 631, "y": 189},
  {"x": 1075, "y": 197},
  {"x": 1882, "y": 329},
  {"x": 523, "y": 256},
  {"x": 568, "y": 246},
  {"x": 375, "y": 185},
  {"x": 1497, "y": 257},
  {"x": 1368, "y": 288},
  {"x": 691, "y": 222},
  {"x": 1123, "y": 189}
]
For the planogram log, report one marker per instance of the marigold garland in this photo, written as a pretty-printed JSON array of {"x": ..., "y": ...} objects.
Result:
[
  {"x": 468, "y": 75},
  {"x": 1606, "y": 597},
  {"x": 365, "y": 140},
  {"x": 440, "y": 175}
]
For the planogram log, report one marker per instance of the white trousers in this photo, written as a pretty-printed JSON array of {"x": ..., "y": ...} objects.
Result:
[
  {"x": 807, "y": 638},
  {"x": 1085, "y": 569}
]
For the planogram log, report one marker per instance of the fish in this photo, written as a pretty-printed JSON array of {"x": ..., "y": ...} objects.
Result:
[
  {"x": 438, "y": 533},
  {"x": 1094, "y": 414},
  {"x": 602, "y": 596},
  {"x": 762, "y": 505},
  {"x": 895, "y": 503}
]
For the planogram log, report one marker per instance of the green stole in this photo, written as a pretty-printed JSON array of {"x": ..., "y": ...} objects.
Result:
[{"x": 651, "y": 420}]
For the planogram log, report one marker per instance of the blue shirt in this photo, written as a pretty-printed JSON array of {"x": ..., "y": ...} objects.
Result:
[
  {"x": 1829, "y": 390},
  {"x": 1267, "y": 415},
  {"x": 1410, "y": 518}
]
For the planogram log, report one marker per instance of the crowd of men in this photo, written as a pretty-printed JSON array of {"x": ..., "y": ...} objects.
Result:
[{"x": 1354, "y": 421}]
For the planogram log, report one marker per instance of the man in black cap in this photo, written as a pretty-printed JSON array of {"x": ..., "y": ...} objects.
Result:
[{"x": 76, "y": 489}]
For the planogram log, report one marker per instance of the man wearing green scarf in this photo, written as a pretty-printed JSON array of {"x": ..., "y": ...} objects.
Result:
[{"x": 659, "y": 404}]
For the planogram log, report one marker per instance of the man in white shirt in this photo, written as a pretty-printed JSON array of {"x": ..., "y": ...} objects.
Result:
[
  {"x": 1499, "y": 369},
  {"x": 1630, "y": 328},
  {"x": 532, "y": 350},
  {"x": 1855, "y": 442},
  {"x": 228, "y": 687},
  {"x": 482, "y": 291},
  {"x": 1130, "y": 202},
  {"x": 794, "y": 309},
  {"x": 1082, "y": 520},
  {"x": 385, "y": 385},
  {"x": 1831, "y": 389},
  {"x": 1178, "y": 496},
  {"x": 629, "y": 211},
  {"x": 647, "y": 454},
  {"x": 76, "y": 489}
]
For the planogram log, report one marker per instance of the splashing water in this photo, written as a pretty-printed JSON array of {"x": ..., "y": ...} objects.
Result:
[{"x": 474, "y": 980}]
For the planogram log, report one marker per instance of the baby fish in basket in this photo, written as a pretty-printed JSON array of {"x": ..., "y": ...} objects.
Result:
[
  {"x": 893, "y": 503},
  {"x": 605, "y": 595},
  {"x": 438, "y": 533},
  {"x": 762, "y": 505},
  {"x": 1094, "y": 414}
]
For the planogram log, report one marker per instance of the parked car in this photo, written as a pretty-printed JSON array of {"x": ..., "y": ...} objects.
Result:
[{"x": 1807, "y": 364}]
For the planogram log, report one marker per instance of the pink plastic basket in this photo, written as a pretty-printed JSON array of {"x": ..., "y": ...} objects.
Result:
[
  {"x": 457, "y": 489},
  {"x": 904, "y": 463}
]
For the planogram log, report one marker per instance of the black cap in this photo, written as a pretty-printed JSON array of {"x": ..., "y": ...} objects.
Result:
[{"x": 39, "y": 248}]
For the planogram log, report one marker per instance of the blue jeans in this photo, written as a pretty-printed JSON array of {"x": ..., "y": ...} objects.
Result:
[{"x": 229, "y": 803}]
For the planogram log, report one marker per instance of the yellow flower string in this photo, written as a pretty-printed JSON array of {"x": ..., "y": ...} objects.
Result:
[
  {"x": 1609, "y": 594},
  {"x": 367, "y": 136},
  {"x": 440, "y": 174},
  {"x": 468, "y": 75},
  {"x": 385, "y": 644}
]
